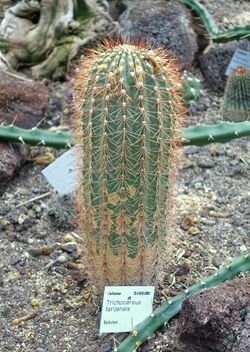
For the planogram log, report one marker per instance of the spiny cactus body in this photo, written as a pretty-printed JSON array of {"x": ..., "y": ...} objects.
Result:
[
  {"x": 236, "y": 105},
  {"x": 167, "y": 311},
  {"x": 129, "y": 104}
]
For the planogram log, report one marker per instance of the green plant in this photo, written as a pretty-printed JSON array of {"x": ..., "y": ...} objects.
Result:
[
  {"x": 193, "y": 135},
  {"x": 217, "y": 36},
  {"x": 236, "y": 104},
  {"x": 167, "y": 311},
  {"x": 35, "y": 137},
  {"x": 219, "y": 133},
  {"x": 191, "y": 87},
  {"x": 205, "y": 16},
  {"x": 129, "y": 103}
]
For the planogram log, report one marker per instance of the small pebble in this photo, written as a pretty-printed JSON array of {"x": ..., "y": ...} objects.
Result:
[
  {"x": 205, "y": 164},
  {"x": 36, "y": 252},
  {"x": 193, "y": 230},
  {"x": 35, "y": 303},
  {"x": 183, "y": 270},
  {"x": 69, "y": 247},
  {"x": 68, "y": 238},
  {"x": 216, "y": 262}
]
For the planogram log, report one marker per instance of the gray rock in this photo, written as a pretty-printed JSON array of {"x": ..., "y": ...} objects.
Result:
[
  {"x": 106, "y": 347},
  {"x": 69, "y": 247},
  {"x": 217, "y": 319},
  {"x": 215, "y": 61},
  {"x": 205, "y": 163},
  {"x": 164, "y": 23}
]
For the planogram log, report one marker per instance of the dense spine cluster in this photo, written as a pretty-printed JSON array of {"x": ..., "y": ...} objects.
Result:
[
  {"x": 129, "y": 102},
  {"x": 236, "y": 105}
]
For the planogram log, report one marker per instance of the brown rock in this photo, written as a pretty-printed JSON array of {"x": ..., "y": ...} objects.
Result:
[
  {"x": 214, "y": 62},
  {"x": 11, "y": 157},
  {"x": 164, "y": 23},
  {"x": 22, "y": 101},
  {"x": 217, "y": 319}
]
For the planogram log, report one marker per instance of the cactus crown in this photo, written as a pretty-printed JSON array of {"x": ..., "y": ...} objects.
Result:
[
  {"x": 128, "y": 100},
  {"x": 236, "y": 105}
]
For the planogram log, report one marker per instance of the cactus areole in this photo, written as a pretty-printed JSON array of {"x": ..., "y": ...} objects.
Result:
[{"x": 128, "y": 100}]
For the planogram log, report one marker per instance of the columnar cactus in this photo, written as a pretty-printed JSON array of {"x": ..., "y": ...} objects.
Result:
[
  {"x": 236, "y": 105},
  {"x": 129, "y": 102}
]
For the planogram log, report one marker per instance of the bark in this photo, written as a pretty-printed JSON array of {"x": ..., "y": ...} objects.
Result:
[{"x": 44, "y": 34}]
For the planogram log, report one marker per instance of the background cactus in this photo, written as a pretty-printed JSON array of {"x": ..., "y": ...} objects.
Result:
[
  {"x": 167, "y": 311},
  {"x": 216, "y": 35},
  {"x": 236, "y": 104},
  {"x": 129, "y": 103},
  {"x": 191, "y": 87},
  {"x": 192, "y": 135},
  {"x": 36, "y": 137}
]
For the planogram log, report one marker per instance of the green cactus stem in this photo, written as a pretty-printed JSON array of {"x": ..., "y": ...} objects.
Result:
[
  {"x": 236, "y": 33},
  {"x": 35, "y": 137},
  {"x": 193, "y": 135},
  {"x": 129, "y": 101},
  {"x": 167, "y": 311},
  {"x": 236, "y": 104},
  {"x": 217, "y": 36},
  {"x": 220, "y": 133},
  {"x": 204, "y": 15}
]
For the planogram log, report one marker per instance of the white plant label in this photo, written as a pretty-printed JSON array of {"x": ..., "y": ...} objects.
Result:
[
  {"x": 124, "y": 307},
  {"x": 62, "y": 173},
  {"x": 240, "y": 58}
]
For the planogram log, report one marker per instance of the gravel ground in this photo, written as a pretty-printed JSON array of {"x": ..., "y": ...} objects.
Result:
[{"x": 46, "y": 304}]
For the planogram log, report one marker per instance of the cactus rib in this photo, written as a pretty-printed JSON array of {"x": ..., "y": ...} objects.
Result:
[
  {"x": 167, "y": 311},
  {"x": 194, "y": 135}
]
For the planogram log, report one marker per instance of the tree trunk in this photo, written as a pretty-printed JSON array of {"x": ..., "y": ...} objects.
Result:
[{"x": 45, "y": 34}]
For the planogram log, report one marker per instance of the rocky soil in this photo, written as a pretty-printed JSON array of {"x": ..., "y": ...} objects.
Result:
[{"x": 46, "y": 303}]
